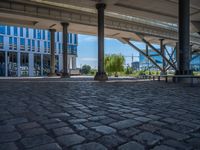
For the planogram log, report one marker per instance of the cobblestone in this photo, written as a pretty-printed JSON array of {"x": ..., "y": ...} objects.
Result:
[{"x": 60, "y": 114}]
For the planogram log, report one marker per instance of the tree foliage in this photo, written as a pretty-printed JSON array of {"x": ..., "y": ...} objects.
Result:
[
  {"x": 114, "y": 63},
  {"x": 85, "y": 69}
]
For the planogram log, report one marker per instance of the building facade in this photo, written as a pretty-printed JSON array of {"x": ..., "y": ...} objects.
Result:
[{"x": 26, "y": 51}]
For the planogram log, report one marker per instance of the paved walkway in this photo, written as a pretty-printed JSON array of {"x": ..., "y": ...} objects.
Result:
[{"x": 80, "y": 114}]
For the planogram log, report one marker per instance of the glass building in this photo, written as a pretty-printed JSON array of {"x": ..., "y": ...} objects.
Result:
[{"x": 26, "y": 51}]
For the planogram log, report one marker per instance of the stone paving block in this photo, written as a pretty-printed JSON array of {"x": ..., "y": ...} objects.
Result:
[
  {"x": 8, "y": 146},
  {"x": 173, "y": 134},
  {"x": 6, "y": 128},
  {"x": 178, "y": 144},
  {"x": 107, "y": 121},
  {"x": 163, "y": 147},
  {"x": 77, "y": 120},
  {"x": 125, "y": 124},
  {"x": 16, "y": 121},
  {"x": 51, "y": 146},
  {"x": 131, "y": 146},
  {"x": 9, "y": 137},
  {"x": 63, "y": 131},
  {"x": 79, "y": 127},
  {"x": 91, "y": 124},
  {"x": 55, "y": 125},
  {"x": 170, "y": 120},
  {"x": 58, "y": 115},
  {"x": 194, "y": 142},
  {"x": 89, "y": 134},
  {"x": 128, "y": 132},
  {"x": 154, "y": 117},
  {"x": 149, "y": 127},
  {"x": 104, "y": 129},
  {"x": 34, "y": 132},
  {"x": 28, "y": 125},
  {"x": 30, "y": 142},
  {"x": 148, "y": 138},
  {"x": 142, "y": 119},
  {"x": 111, "y": 141},
  {"x": 71, "y": 139},
  {"x": 90, "y": 146}
]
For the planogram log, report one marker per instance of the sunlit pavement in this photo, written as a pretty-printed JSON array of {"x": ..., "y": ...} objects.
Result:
[{"x": 79, "y": 113}]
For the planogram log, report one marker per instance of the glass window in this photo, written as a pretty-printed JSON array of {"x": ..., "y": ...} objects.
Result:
[
  {"x": 75, "y": 39},
  {"x": 38, "y": 45},
  {"x": 33, "y": 45},
  {"x": 38, "y": 34},
  {"x": 8, "y": 30},
  {"x": 48, "y": 35},
  {"x": 21, "y": 32},
  {"x": 58, "y": 37},
  {"x": 15, "y": 43},
  {"x": 43, "y": 34},
  {"x": 29, "y": 45},
  {"x": 1, "y": 42},
  {"x": 2, "y": 29},
  {"x": 34, "y": 33},
  {"x": 22, "y": 44},
  {"x": 15, "y": 31},
  {"x": 59, "y": 48},
  {"x": 48, "y": 47},
  {"x": 45, "y": 46},
  {"x": 27, "y": 32},
  {"x": 10, "y": 43},
  {"x": 70, "y": 38}
]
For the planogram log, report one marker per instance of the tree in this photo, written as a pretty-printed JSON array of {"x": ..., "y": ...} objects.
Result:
[
  {"x": 114, "y": 64},
  {"x": 85, "y": 69}
]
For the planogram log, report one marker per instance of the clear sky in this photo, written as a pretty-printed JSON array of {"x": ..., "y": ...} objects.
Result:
[{"x": 88, "y": 50}]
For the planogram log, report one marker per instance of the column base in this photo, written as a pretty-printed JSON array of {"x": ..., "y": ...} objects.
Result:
[
  {"x": 65, "y": 75},
  {"x": 184, "y": 72},
  {"x": 52, "y": 75},
  {"x": 101, "y": 76}
]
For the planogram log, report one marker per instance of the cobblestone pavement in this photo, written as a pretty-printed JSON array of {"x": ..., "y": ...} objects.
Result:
[{"x": 79, "y": 114}]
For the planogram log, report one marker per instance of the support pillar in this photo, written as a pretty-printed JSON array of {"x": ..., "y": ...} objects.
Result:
[
  {"x": 101, "y": 74},
  {"x": 162, "y": 49},
  {"x": 6, "y": 63},
  {"x": 184, "y": 38},
  {"x": 52, "y": 52},
  {"x": 42, "y": 64},
  {"x": 65, "y": 73}
]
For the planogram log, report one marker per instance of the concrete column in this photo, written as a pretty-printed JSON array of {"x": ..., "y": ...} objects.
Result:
[
  {"x": 163, "y": 60},
  {"x": 184, "y": 38},
  {"x": 73, "y": 62},
  {"x": 42, "y": 64},
  {"x": 52, "y": 52},
  {"x": 31, "y": 64},
  {"x": 6, "y": 63},
  {"x": 101, "y": 75},
  {"x": 65, "y": 73},
  {"x": 177, "y": 54},
  {"x": 18, "y": 64}
]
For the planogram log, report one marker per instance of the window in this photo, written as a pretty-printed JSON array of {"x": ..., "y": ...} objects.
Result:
[
  {"x": 75, "y": 39},
  {"x": 38, "y": 34},
  {"x": 15, "y": 31},
  {"x": 45, "y": 46},
  {"x": 22, "y": 44},
  {"x": 1, "y": 42},
  {"x": 29, "y": 45},
  {"x": 70, "y": 38},
  {"x": 43, "y": 34},
  {"x": 33, "y": 45},
  {"x": 58, "y": 37},
  {"x": 15, "y": 43},
  {"x": 59, "y": 48},
  {"x": 48, "y": 35},
  {"x": 34, "y": 33},
  {"x": 38, "y": 46},
  {"x": 27, "y": 32},
  {"x": 8, "y": 30},
  {"x": 2, "y": 29},
  {"x": 48, "y": 47},
  {"x": 10, "y": 43},
  {"x": 21, "y": 32}
]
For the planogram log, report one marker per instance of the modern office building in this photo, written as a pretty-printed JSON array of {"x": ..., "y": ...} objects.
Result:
[{"x": 26, "y": 51}]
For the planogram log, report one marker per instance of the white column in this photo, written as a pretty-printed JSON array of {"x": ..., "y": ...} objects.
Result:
[
  {"x": 73, "y": 62},
  {"x": 31, "y": 64}
]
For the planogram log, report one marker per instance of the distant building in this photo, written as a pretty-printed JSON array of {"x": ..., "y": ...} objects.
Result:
[
  {"x": 135, "y": 65},
  {"x": 26, "y": 51}
]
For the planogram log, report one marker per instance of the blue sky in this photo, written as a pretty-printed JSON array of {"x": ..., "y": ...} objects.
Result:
[{"x": 88, "y": 50}]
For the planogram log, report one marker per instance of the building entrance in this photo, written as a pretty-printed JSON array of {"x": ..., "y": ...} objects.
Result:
[{"x": 12, "y": 64}]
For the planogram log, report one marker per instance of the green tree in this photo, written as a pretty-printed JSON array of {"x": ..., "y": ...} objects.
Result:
[
  {"x": 114, "y": 64},
  {"x": 85, "y": 69}
]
